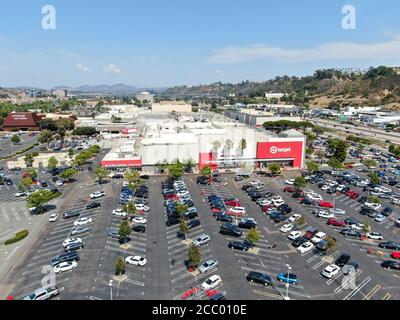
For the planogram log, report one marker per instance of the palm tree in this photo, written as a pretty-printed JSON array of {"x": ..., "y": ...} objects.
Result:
[
  {"x": 189, "y": 165},
  {"x": 229, "y": 146}
]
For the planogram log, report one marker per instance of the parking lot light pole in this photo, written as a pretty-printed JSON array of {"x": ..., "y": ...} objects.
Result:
[
  {"x": 287, "y": 283},
  {"x": 110, "y": 284}
]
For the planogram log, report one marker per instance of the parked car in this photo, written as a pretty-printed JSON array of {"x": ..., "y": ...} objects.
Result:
[
  {"x": 208, "y": 265},
  {"x": 391, "y": 264},
  {"x": 330, "y": 271},
  {"x": 288, "y": 278},
  {"x": 343, "y": 259},
  {"x": 259, "y": 277}
]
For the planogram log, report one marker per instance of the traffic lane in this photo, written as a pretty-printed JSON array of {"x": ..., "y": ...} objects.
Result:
[
  {"x": 349, "y": 246},
  {"x": 81, "y": 281},
  {"x": 232, "y": 276}
]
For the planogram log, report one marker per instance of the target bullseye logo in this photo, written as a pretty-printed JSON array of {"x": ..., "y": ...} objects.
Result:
[{"x": 273, "y": 150}]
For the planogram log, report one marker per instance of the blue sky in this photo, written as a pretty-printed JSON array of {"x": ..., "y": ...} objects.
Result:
[{"x": 163, "y": 43}]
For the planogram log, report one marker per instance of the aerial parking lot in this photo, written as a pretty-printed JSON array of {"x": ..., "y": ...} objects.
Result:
[
  {"x": 156, "y": 253},
  {"x": 7, "y": 147}
]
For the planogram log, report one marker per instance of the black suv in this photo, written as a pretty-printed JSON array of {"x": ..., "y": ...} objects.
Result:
[
  {"x": 93, "y": 205},
  {"x": 259, "y": 277},
  {"x": 172, "y": 221},
  {"x": 66, "y": 257},
  {"x": 74, "y": 247},
  {"x": 71, "y": 214},
  {"x": 139, "y": 228},
  {"x": 230, "y": 230},
  {"x": 343, "y": 260},
  {"x": 247, "y": 224},
  {"x": 193, "y": 223},
  {"x": 203, "y": 180}
]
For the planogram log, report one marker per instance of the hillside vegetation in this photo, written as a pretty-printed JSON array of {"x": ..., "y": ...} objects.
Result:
[{"x": 331, "y": 87}]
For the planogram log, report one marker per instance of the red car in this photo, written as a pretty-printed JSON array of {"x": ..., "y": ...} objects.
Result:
[
  {"x": 171, "y": 197},
  {"x": 352, "y": 194},
  {"x": 233, "y": 203},
  {"x": 191, "y": 293},
  {"x": 325, "y": 204},
  {"x": 335, "y": 223},
  {"x": 395, "y": 255},
  {"x": 266, "y": 207},
  {"x": 289, "y": 189}
]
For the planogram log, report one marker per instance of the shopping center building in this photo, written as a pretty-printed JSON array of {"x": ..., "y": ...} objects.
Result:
[{"x": 220, "y": 143}]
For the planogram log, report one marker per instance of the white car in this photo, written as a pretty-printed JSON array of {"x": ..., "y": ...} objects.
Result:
[
  {"x": 325, "y": 187},
  {"x": 295, "y": 217},
  {"x": 238, "y": 210},
  {"x": 294, "y": 235},
  {"x": 278, "y": 202},
  {"x": 357, "y": 227},
  {"x": 372, "y": 205},
  {"x": 314, "y": 197},
  {"x": 136, "y": 260},
  {"x": 326, "y": 215},
  {"x": 20, "y": 194},
  {"x": 340, "y": 187},
  {"x": 374, "y": 235},
  {"x": 97, "y": 194},
  {"x": 65, "y": 266},
  {"x": 286, "y": 228},
  {"x": 318, "y": 237},
  {"x": 396, "y": 201},
  {"x": 142, "y": 207},
  {"x": 380, "y": 218},
  {"x": 59, "y": 183},
  {"x": 305, "y": 247},
  {"x": 53, "y": 217},
  {"x": 212, "y": 282},
  {"x": 289, "y": 182},
  {"x": 70, "y": 241},
  {"x": 263, "y": 202},
  {"x": 139, "y": 220},
  {"x": 83, "y": 221},
  {"x": 330, "y": 271},
  {"x": 255, "y": 182},
  {"x": 337, "y": 211},
  {"x": 119, "y": 213}
]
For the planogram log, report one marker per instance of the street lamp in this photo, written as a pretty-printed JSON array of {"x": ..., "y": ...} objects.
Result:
[
  {"x": 110, "y": 284},
  {"x": 287, "y": 283}
]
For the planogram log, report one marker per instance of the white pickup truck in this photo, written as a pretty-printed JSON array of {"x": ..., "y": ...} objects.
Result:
[{"x": 43, "y": 294}]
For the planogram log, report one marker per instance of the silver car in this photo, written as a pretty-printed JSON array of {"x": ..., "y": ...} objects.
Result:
[
  {"x": 202, "y": 240},
  {"x": 208, "y": 265},
  {"x": 80, "y": 230}
]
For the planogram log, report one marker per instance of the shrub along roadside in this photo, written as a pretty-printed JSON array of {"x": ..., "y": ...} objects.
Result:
[
  {"x": 18, "y": 237},
  {"x": 20, "y": 151}
]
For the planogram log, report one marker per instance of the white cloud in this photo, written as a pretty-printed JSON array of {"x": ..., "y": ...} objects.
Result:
[
  {"x": 330, "y": 51},
  {"x": 112, "y": 68},
  {"x": 82, "y": 67}
]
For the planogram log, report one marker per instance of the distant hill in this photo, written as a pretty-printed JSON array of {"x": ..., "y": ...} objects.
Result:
[
  {"x": 118, "y": 88},
  {"x": 331, "y": 87}
]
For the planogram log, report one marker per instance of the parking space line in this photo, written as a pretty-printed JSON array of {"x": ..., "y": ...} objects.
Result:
[
  {"x": 267, "y": 294},
  {"x": 15, "y": 214},
  {"x": 345, "y": 283},
  {"x": 5, "y": 215},
  {"x": 357, "y": 289},
  {"x": 25, "y": 212},
  {"x": 387, "y": 296},
  {"x": 372, "y": 292}
]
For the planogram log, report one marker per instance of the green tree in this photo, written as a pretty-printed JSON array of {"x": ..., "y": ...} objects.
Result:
[
  {"x": 130, "y": 209},
  {"x": 120, "y": 266},
  {"x": 133, "y": 179},
  {"x": 25, "y": 183},
  {"x": 45, "y": 136},
  {"x": 176, "y": 170},
  {"x": 274, "y": 168},
  {"x": 194, "y": 255},
  {"x": 28, "y": 159},
  {"x": 331, "y": 243},
  {"x": 181, "y": 209},
  {"x": 68, "y": 174},
  {"x": 32, "y": 173},
  {"x": 15, "y": 139},
  {"x": 370, "y": 163},
  {"x": 85, "y": 131},
  {"x": 374, "y": 178},
  {"x": 71, "y": 153},
  {"x": 52, "y": 163},
  {"x": 300, "y": 182},
  {"x": 312, "y": 166},
  {"x": 94, "y": 149},
  {"x": 335, "y": 163},
  {"x": 101, "y": 173},
  {"x": 189, "y": 165},
  {"x": 374, "y": 199},
  {"x": 243, "y": 145},
  {"x": 39, "y": 198},
  {"x": 340, "y": 151},
  {"x": 124, "y": 230},
  {"x": 206, "y": 171},
  {"x": 183, "y": 226},
  {"x": 253, "y": 235},
  {"x": 319, "y": 154}
]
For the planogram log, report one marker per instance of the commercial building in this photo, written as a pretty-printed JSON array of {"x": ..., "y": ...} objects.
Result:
[
  {"x": 21, "y": 121},
  {"x": 256, "y": 118},
  {"x": 220, "y": 143},
  {"x": 171, "y": 106},
  {"x": 61, "y": 94}
]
